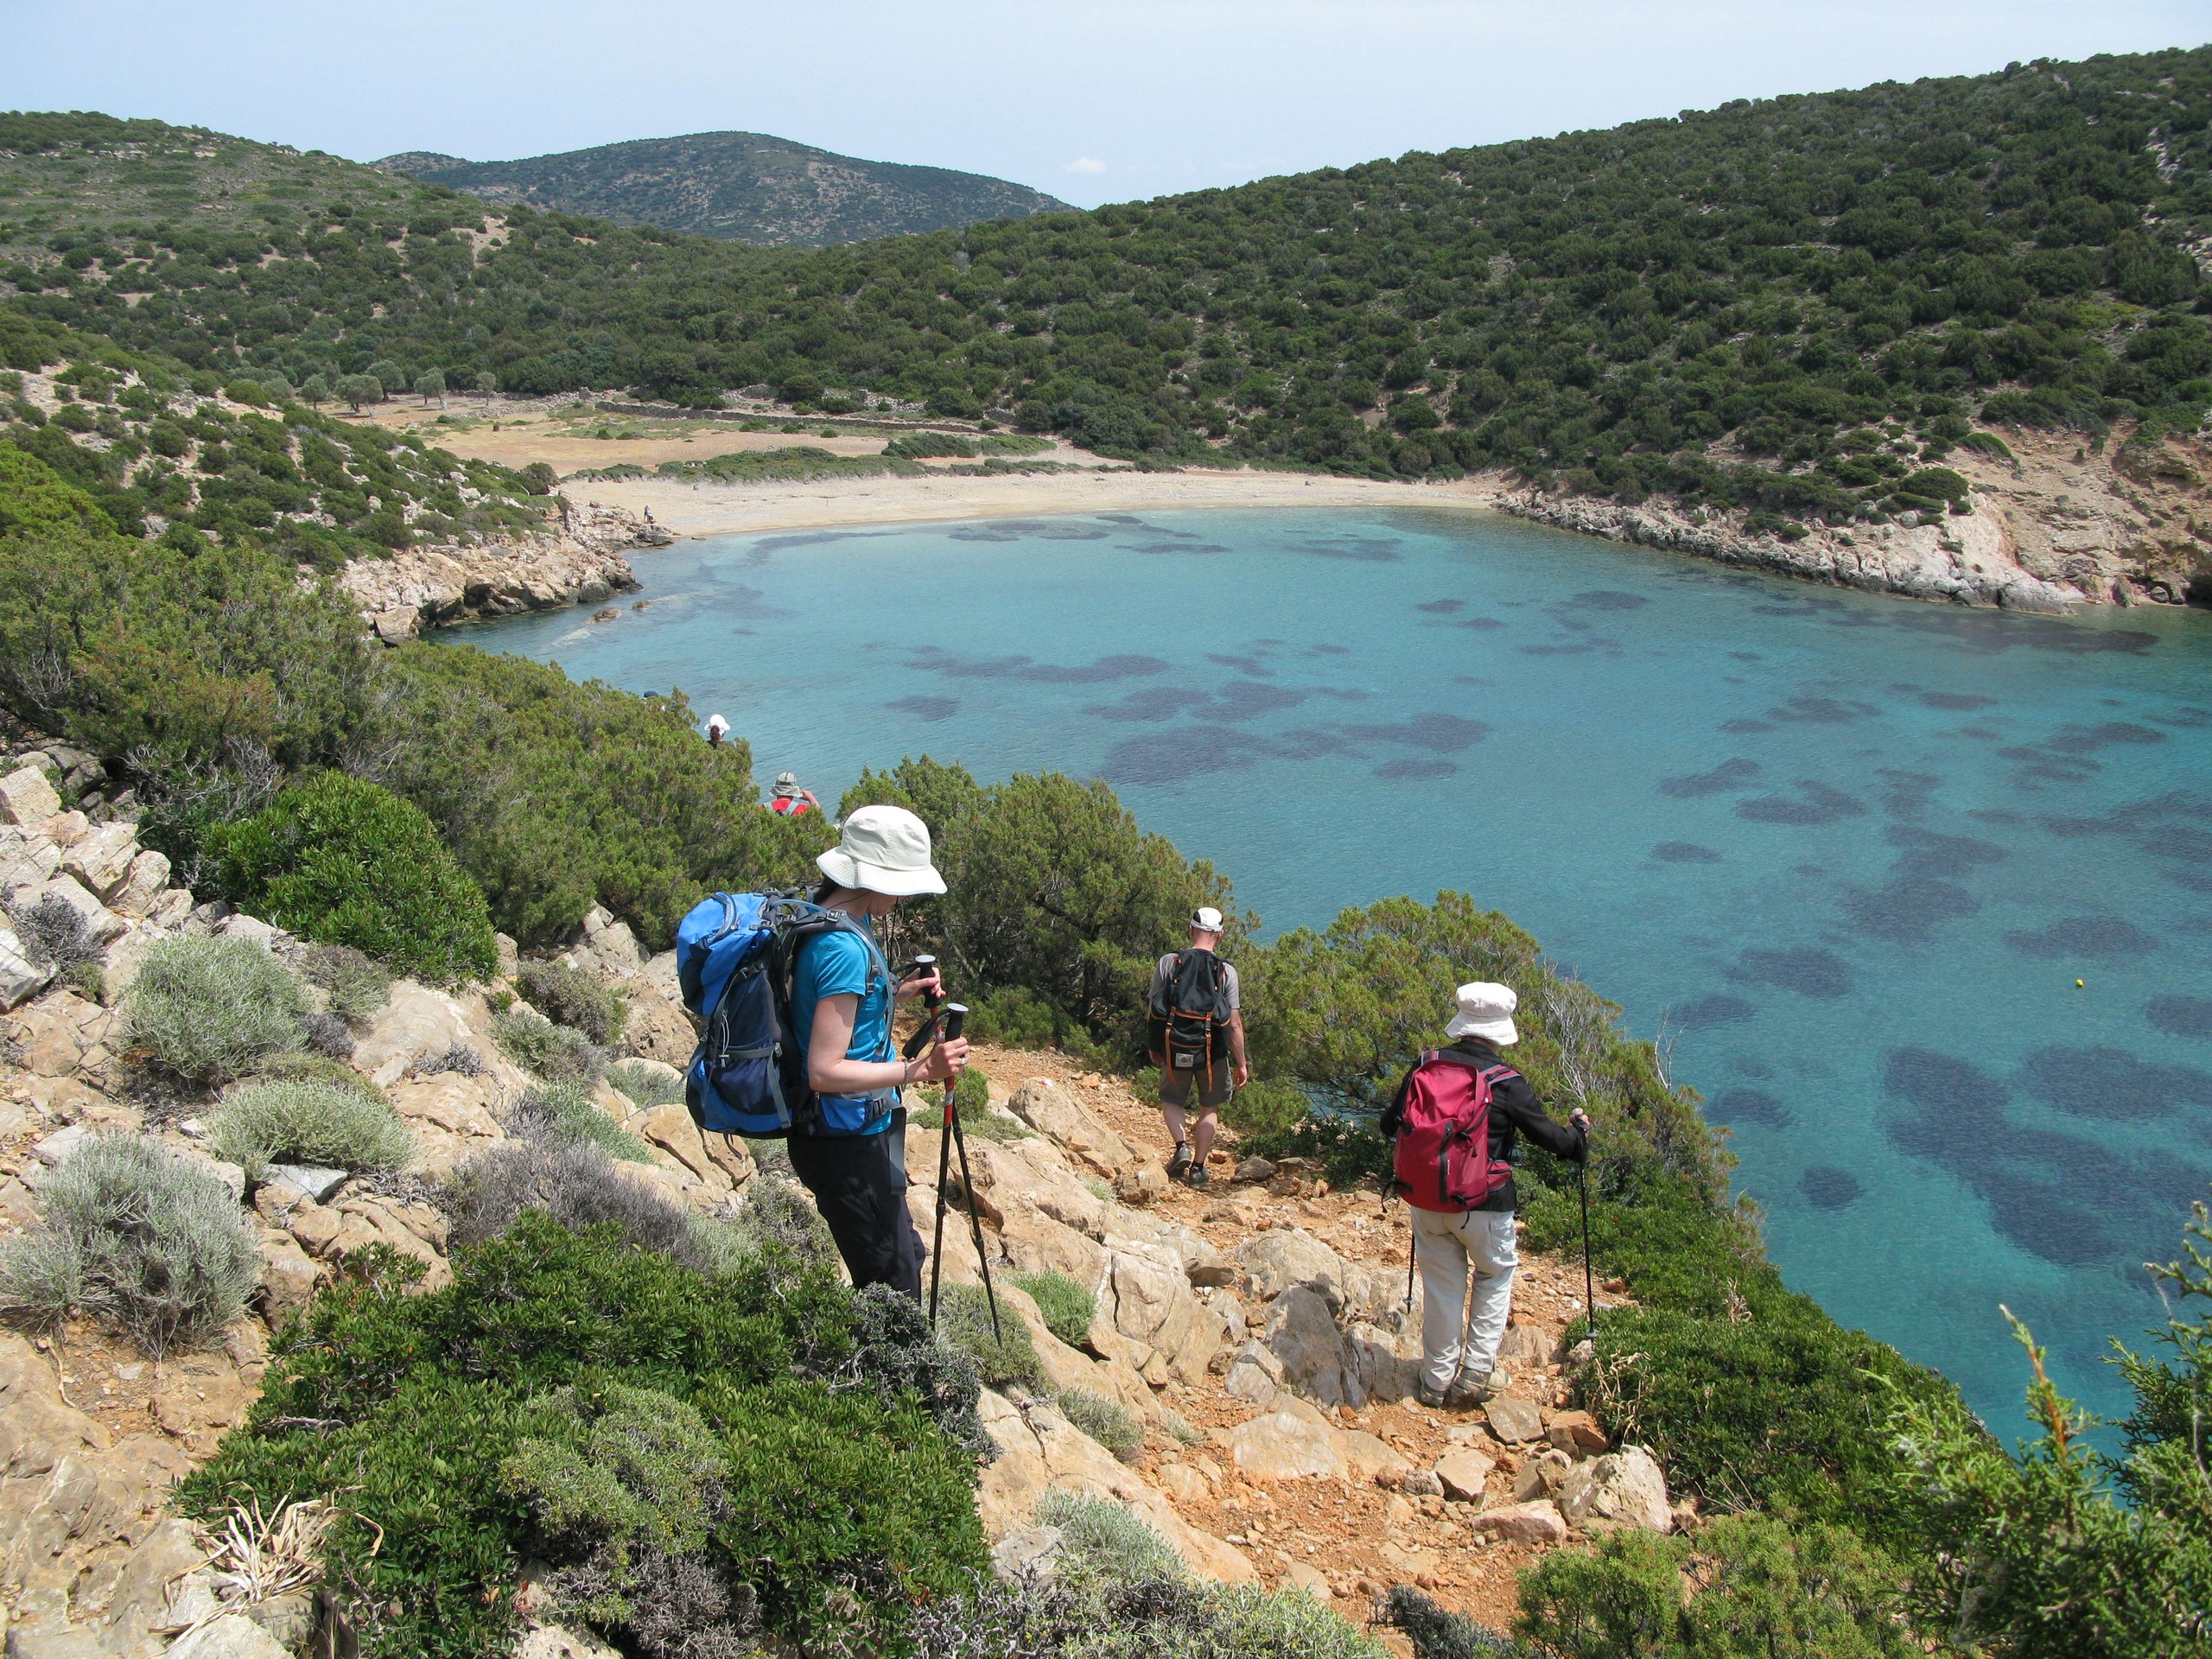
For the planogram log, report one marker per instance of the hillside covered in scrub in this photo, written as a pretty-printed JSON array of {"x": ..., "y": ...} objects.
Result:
[
  {"x": 739, "y": 186},
  {"x": 1798, "y": 307}
]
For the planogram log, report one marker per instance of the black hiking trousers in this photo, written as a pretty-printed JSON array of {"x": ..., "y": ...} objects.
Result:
[{"x": 859, "y": 1184}]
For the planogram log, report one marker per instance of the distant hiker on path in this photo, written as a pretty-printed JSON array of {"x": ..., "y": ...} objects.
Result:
[
  {"x": 1197, "y": 1038},
  {"x": 788, "y": 800},
  {"x": 852, "y": 1156},
  {"x": 1454, "y": 1119},
  {"x": 717, "y": 729}
]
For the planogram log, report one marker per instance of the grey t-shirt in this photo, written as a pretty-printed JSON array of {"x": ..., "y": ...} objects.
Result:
[{"x": 1166, "y": 969}]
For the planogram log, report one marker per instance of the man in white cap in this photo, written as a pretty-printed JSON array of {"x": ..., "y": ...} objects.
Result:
[
  {"x": 1197, "y": 1038},
  {"x": 852, "y": 1156},
  {"x": 1455, "y": 1120}
]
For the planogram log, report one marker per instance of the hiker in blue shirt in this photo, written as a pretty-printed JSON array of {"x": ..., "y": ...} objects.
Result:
[{"x": 852, "y": 1157}]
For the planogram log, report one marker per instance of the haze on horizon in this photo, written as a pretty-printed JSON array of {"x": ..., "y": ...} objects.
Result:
[{"x": 1104, "y": 101}]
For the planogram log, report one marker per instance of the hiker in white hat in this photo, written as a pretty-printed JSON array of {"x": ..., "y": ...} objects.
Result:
[
  {"x": 852, "y": 1157},
  {"x": 1198, "y": 1039},
  {"x": 788, "y": 800},
  {"x": 1454, "y": 1120}
]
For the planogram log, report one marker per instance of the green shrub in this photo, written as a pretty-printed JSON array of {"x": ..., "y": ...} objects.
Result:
[
  {"x": 1436, "y": 1632},
  {"x": 566, "y": 1109},
  {"x": 834, "y": 1510},
  {"x": 575, "y": 1183},
  {"x": 305, "y": 1123},
  {"x": 1106, "y": 1422},
  {"x": 777, "y": 1214},
  {"x": 357, "y": 988},
  {"x": 209, "y": 1010},
  {"x": 1067, "y": 1307},
  {"x": 137, "y": 1236},
  {"x": 569, "y": 996},
  {"x": 1008, "y": 1360},
  {"x": 555, "y": 1052},
  {"x": 1106, "y": 1542},
  {"x": 645, "y": 1087},
  {"x": 346, "y": 861},
  {"x": 1742, "y": 1587}
]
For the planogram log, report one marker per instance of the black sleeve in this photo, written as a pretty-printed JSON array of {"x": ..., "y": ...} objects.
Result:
[
  {"x": 1514, "y": 1100},
  {"x": 1396, "y": 1109}
]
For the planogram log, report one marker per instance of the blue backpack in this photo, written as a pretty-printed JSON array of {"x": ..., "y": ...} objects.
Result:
[{"x": 735, "y": 954}]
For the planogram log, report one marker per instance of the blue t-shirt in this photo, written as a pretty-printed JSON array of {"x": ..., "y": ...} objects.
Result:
[{"x": 836, "y": 964}]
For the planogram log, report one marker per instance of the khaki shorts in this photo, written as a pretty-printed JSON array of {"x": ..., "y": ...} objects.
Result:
[{"x": 1176, "y": 1087}]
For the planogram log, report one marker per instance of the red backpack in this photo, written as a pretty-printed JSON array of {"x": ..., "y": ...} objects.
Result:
[{"x": 1442, "y": 1160}]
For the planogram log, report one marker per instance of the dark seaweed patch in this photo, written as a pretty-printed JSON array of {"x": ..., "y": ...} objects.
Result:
[
  {"x": 1821, "y": 711},
  {"x": 1603, "y": 598},
  {"x": 1710, "y": 1011},
  {"x": 1155, "y": 550},
  {"x": 1410, "y": 767},
  {"x": 1249, "y": 699},
  {"x": 1927, "y": 855},
  {"x": 1732, "y": 773},
  {"x": 1178, "y": 756},
  {"x": 1152, "y": 702},
  {"x": 2180, "y": 1016},
  {"x": 1329, "y": 651},
  {"x": 2106, "y": 937},
  {"x": 1907, "y": 911},
  {"x": 1684, "y": 852},
  {"x": 1019, "y": 530},
  {"x": 1814, "y": 802},
  {"x": 1361, "y": 549},
  {"x": 1999, "y": 630},
  {"x": 2110, "y": 1083},
  {"x": 1806, "y": 969},
  {"x": 1478, "y": 624},
  {"x": 1441, "y": 734},
  {"x": 1960, "y": 702},
  {"x": 1906, "y": 794},
  {"x": 1826, "y": 1187},
  {"x": 1744, "y": 728},
  {"x": 1442, "y": 607},
  {"x": 1748, "y": 1106},
  {"x": 928, "y": 709},
  {"x": 932, "y": 660},
  {"x": 1251, "y": 666}
]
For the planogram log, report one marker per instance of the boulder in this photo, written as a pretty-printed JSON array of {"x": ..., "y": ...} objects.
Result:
[
  {"x": 142, "y": 1603},
  {"x": 1286, "y": 1446},
  {"x": 415, "y": 1023},
  {"x": 143, "y": 884},
  {"x": 54, "y": 1150},
  {"x": 1537, "y": 1523},
  {"x": 239, "y": 925},
  {"x": 1315, "y": 1359},
  {"x": 558, "y": 1642},
  {"x": 309, "y": 1180},
  {"x": 1576, "y": 1434},
  {"x": 289, "y": 1276},
  {"x": 28, "y": 859},
  {"x": 1514, "y": 1419},
  {"x": 1304, "y": 1578},
  {"x": 1625, "y": 1488},
  {"x": 1027, "y": 1555},
  {"x": 1464, "y": 1474},
  {"x": 20, "y": 978},
  {"x": 1051, "y": 1110},
  {"x": 1140, "y": 1184},
  {"x": 101, "y": 858},
  {"x": 1255, "y": 1169},
  {"x": 233, "y": 1636},
  {"x": 27, "y": 798},
  {"x": 719, "y": 1161},
  {"x": 1542, "y": 1475},
  {"x": 1255, "y": 1375}
]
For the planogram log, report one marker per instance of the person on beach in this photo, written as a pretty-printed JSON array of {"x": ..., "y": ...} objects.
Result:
[
  {"x": 788, "y": 800},
  {"x": 1455, "y": 1119},
  {"x": 1197, "y": 1038},
  {"x": 852, "y": 1156},
  {"x": 717, "y": 729}
]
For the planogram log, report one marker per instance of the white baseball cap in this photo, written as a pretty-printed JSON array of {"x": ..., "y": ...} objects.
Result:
[
  {"x": 1485, "y": 1011},
  {"x": 884, "y": 849},
  {"x": 1206, "y": 919}
]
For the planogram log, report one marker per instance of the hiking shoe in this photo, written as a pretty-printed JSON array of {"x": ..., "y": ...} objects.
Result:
[
  {"x": 1179, "y": 1162},
  {"x": 1470, "y": 1388},
  {"x": 1430, "y": 1397},
  {"x": 1197, "y": 1177}
]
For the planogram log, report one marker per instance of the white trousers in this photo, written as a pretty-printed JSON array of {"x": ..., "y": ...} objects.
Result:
[{"x": 1458, "y": 1331}]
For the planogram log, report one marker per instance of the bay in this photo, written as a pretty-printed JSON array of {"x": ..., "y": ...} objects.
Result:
[{"x": 1848, "y": 854}]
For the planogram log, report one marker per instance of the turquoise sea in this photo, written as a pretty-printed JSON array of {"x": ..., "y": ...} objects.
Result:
[{"x": 1851, "y": 852}]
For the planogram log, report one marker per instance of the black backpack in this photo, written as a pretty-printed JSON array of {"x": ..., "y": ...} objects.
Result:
[{"x": 1190, "y": 1012}]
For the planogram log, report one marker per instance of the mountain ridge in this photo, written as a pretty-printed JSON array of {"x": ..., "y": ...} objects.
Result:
[{"x": 741, "y": 186}]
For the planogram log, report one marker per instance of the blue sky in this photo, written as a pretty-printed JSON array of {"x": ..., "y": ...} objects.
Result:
[{"x": 1094, "y": 102}]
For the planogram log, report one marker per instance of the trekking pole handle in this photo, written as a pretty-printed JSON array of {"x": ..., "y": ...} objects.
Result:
[
  {"x": 926, "y": 964},
  {"x": 955, "y": 1017}
]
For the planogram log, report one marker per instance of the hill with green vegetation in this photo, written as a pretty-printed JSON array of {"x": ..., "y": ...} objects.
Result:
[
  {"x": 1795, "y": 304},
  {"x": 741, "y": 186}
]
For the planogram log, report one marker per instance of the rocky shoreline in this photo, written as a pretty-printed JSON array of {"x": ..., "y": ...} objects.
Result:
[{"x": 420, "y": 587}]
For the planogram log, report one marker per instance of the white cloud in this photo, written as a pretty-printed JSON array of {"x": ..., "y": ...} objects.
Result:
[{"x": 1086, "y": 164}]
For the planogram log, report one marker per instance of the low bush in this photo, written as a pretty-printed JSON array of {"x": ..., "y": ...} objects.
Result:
[
  {"x": 138, "y": 1235},
  {"x": 900, "y": 1357},
  {"x": 1008, "y": 1360},
  {"x": 56, "y": 935},
  {"x": 210, "y": 1010},
  {"x": 1106, "y": 1422},
  {"x": 645, "y": 1086},
  {"x": 776, "y": 1214},
  {"x": 1105, "y": 1542},
  {"x": 565, "y": 1110},
  {"x": 356, "y": 987},
  {"x": 1067, "y": 1307},
  {"x": 308, "y": 1122},
  {"x": 462, "y": 1060},
  {"x": 1436, "y": 1632},
  {"x": 1742, "y": 1587},
  {"x": 836, "y": 1511},
  {"x": 568, "y": 996},
  {"x": 551, "y": 1051},
  {"x": 575, "y": 1183},
  {"x": 346, "y": 861}
]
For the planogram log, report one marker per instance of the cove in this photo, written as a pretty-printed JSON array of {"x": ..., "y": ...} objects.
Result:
[{"x": 1849, "y": 854}]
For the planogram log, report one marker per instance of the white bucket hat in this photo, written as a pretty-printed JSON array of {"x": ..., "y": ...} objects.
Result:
[
  {"x": 1485, "y": 1011},
  {"x": 885, "y": 849}
]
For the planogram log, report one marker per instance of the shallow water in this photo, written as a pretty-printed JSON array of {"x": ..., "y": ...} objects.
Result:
[{"x": 1853, "y": 851}]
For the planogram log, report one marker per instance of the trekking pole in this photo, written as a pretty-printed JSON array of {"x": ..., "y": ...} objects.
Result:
[
  {"x": 1589, "y": 1275},
  {"x": 955, "y": 1017},
  {"x": 1413, "y": 1246}
]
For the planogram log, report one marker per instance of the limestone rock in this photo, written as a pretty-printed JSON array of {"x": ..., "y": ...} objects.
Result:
[
  {"x": 1542, "y": 1475},
  {"x": 1464, "y": 1474},
  {"x": 101, "y": 858},
  {"x": 55, "y": 1149},
  {"x": 27, "y": 798},
  {"x": 1283, "y": 1445},
  {"x": 415, "y": 1023},
  {"x": 1537, "y": 1523},
  {"x": 309, "y": 1180},
  {"x": 239, "y": 925},
  {"x": 1140, "y": 1184},
  {"x": 1514, "y": 1420},
  {"x": 1027, "y": 1555},
  {"x": 1255, "y": 1375},
  {"x": 1576, "y": 1434},
  {"x": 287, "y": 1276},
  {"x": 1625, "y": 1488},
  {"x": 719, "y": 1161},
  {"x": 1303, "y": 1577},
  {"x": 1051, "y": 1110},
  {"x": 1255, "y": 1169},
  {"x": 557, "y": 1641},
  {"x": 142, "y": 885},
  {"x": 1422, "y": 1483},
  {"x": 20, "y": 978},
  {"x": 1314, "y": 1357}
]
